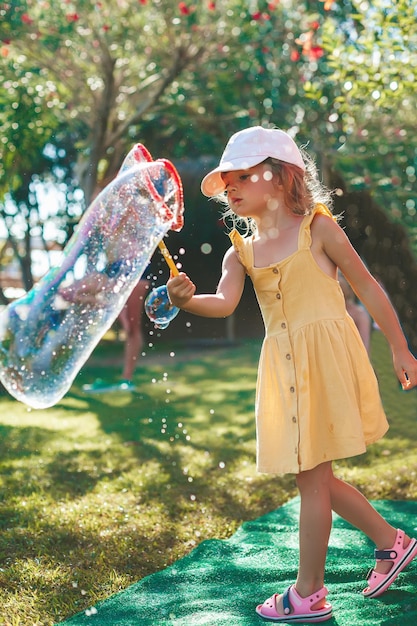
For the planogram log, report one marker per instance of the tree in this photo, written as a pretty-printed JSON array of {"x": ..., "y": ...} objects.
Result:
[
  {"x": 371, "y": 78},
  {"x": 182, "y": 76},
  {"x": 108, "y": 64},
  {"x": 79, "y": 81},
  {"x": 85, "y": 80}
]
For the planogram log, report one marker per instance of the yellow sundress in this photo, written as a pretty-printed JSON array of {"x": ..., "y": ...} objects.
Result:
[{"x": 317, "y": 397}]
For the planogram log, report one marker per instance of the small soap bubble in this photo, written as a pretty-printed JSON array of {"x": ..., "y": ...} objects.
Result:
[{"x": 159, "y": 308}]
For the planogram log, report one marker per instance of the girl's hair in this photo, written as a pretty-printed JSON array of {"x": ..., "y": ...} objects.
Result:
[{"x": 302, "y": 190}]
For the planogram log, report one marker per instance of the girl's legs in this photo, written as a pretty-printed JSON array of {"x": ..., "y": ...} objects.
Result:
[
  {"x": 350, "y": 504},
  {"x": 314, "y": 532},
  {"x": 315, "y": 526},
  {"x": 320, "y": 493}
]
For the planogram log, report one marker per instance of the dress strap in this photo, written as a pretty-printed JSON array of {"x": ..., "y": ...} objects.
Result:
[
  {"x": 304, "y": 240},
  {"x": 242, "y": 247}
]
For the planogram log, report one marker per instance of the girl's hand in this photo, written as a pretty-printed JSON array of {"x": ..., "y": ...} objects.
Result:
[
  {"x": 180, "y": 290},
  {"x": 405, "y": 366}
]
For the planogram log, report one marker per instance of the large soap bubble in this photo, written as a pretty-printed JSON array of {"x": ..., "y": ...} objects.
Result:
[{"x": 48, "y": 334}]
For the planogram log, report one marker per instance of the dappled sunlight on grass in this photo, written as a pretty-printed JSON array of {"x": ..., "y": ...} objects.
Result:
[{"x": 102, "y": 490}]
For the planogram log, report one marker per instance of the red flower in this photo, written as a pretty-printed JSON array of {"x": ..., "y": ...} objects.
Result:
[
  {"x": 295, "y": 55},
  {"x": 316, "y": 52},
  {"x": 106, "y": 27},
  {"x": 315, "y": 25},
  {"x": 256, "y": 16},
  {"x": 142, "y": 1},
  {"x": 183, "y": 8},
  {"x": 211, "y": 6},
  {"x": 72, "y": 17},
  {"x": 26, "y": 19}
]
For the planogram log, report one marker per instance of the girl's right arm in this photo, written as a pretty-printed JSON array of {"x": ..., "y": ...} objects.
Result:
[{"x": 181, "y": 290}]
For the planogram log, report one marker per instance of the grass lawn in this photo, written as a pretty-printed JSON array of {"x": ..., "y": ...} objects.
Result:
[{"x": 100, "y": 491}]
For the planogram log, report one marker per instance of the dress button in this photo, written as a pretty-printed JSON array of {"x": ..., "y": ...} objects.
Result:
[
  {"x": 283, "y": 325},
  {"x": 288, "y": 356},
  {"x": 278, "y": 296},
  {"x": 292, "y": 389},
  {"x": 294, "y": 419},
  {"x": 275, "y": 270}
]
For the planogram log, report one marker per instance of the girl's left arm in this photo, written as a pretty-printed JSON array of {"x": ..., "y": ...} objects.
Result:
[{"x": 337, "y": 247}]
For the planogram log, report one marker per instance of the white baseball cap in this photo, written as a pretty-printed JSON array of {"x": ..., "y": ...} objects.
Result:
[{"x": 250, "y": 147}]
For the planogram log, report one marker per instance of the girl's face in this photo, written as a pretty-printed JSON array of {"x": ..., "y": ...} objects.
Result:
[{"x": 252, "y": 192}]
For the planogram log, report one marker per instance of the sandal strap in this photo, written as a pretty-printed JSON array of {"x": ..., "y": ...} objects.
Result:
[
  {"x": 385, "y": 555},
  {"x": 286, "y": 601}
]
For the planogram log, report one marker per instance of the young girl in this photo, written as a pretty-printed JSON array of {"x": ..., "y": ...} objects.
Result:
[{"x": 317, "y": 396}]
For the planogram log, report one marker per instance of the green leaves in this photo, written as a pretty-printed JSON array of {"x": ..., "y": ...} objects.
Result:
[{"x": 183, "y": 76}]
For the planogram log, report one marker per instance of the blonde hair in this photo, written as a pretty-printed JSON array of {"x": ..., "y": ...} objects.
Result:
[{"x": 302, "y": 191}]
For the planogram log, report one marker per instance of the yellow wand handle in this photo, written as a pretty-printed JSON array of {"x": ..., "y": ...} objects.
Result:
[{"x": 168, "y": 258}]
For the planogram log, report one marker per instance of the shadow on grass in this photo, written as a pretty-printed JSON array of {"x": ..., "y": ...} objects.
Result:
[{"x": 102, "y": 490}]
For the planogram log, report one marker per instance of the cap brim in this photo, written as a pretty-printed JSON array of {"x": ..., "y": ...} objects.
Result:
[{"x": 213, "y": 184}]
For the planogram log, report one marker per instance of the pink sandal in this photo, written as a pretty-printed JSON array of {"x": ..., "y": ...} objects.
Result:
[
  {"x": 296, "y": 608},
  {"x": 399, "y": 556}
]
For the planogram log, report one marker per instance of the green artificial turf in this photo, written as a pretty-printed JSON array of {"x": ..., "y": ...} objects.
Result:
[{"x": 221, "y": 582}]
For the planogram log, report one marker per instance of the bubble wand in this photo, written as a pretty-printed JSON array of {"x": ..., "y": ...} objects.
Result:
[
  {"x": 168, "y": 258},
  {"x": 158, "y": 306}
]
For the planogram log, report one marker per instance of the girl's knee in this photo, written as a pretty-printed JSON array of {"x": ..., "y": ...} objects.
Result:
[{"x": 318, "y": 476}]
